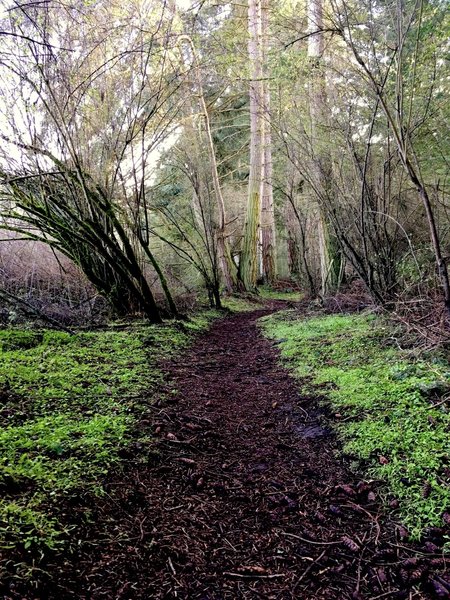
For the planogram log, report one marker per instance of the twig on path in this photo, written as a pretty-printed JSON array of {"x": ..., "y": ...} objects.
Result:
[
  {"x": 306, "y": 413},
  {"x": 359, "y": 565},
  {"x": 414, "y": 551},
  {"x": 174, "y": 507},
  {"x": 218, "y": 474},
  {"x": 253, "y": 576},
  {"x": 297, "y": 537},
  {"x": 443, "y": 401},
  {"x": 179, "y": 442},
  {"x": 141, "y": 527},
  {"x": 239, "y": 424},
  {"x": 200, "y": 418},
  {"x": 371, "y": 516},
  {"x": 230, "y": 544},
  {"x": 172, "y": 568},
  {"x": 307, "y": 570},
  {"x": 384, "y": 595}
]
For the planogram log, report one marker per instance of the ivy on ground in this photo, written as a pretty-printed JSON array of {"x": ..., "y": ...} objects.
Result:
[
  {"x": 392, "y": 409},
  {"x": 68, "y": 405}
]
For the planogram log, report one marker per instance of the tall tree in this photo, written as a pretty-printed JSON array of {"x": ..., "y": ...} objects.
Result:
[
  {"x": 322, "y": 165},
  {"x": 268, "y": 232},
  {"x": 249, "y": 254}
]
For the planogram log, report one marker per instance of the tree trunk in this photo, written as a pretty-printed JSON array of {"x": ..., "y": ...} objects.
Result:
[
  {"x": 227, "y": 265},
  {"x": 293, "y": 242},
  {"x": 329, "y": 257},
  {"x": 267, "y": 232},
  {"x": 249, "y": 254}
]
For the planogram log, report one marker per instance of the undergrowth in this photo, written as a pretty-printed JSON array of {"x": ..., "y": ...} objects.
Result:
[
  {"x": 68, "y": 404},
  {"x": 393, "y": 408},
  {"x": 249, "y": 302},
  {"x": 240, "y": 303},
  {"x": 289, "y": 295}
]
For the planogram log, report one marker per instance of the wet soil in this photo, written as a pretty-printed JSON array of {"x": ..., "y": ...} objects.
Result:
[{"x": 247, "y": 497}]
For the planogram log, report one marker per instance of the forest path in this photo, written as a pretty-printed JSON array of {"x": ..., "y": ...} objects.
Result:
[{"x": 247, "y": 498}]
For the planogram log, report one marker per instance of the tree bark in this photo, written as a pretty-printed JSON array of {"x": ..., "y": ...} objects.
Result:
[
  {"x": 328, "y": 256},
  {"x": 249, "y": 254},
  {"x": 267, "y": 231}
]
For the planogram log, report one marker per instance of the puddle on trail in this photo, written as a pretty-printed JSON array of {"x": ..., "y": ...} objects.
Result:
[
  {"x": 311, "y": 431},
  {"x": 305, "y": 424}
]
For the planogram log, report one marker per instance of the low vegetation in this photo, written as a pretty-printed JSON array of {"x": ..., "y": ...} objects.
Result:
[
  {"x": 391, "y": 408},
  {"x": 286, "y": 294},
  {"x": 69, "y": 404}
]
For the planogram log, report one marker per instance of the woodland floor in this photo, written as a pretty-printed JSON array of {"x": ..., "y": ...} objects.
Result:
[{"x": 247, "y": 497}]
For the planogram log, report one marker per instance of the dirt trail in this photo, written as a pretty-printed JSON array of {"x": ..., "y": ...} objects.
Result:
[{"x": 246, "y": 499}]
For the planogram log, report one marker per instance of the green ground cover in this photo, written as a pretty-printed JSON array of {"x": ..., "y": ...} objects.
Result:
[
  {"x": 267, "y": 293},
  {"x": 249, "y": 302},
  {"x": 237, "y": 303},
  {"x": 393, "y": 409},
  {"x": 68, "y": 404}
]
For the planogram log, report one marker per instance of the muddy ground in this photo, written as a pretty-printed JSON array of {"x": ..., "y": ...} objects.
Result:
[{"x": 246, "y": 497}]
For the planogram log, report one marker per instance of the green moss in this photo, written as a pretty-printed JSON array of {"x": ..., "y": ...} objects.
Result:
[
  {"x": 69, "y": 405},
  {"x": 385, "y": 396}
]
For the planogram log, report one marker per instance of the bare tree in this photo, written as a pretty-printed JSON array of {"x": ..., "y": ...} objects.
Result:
[
  {"x": 397, "y": 109},
  {"x": 86, "y": 195}
]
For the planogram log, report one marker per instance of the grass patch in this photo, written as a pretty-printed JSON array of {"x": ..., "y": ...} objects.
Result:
[
  {"x": 237, "y": 304},
  {"x": 68, "y": 405},
  {"x": 387, "y": 398},
  {"x": 267, "y": 293},
  {"x": 249, "y": 302}
]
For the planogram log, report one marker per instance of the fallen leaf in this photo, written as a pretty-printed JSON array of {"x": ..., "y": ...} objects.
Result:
[
  {"x": 347, "y": 489},
  {"x": 363, "y": 487},
  {"x": 252, "y": 570}
]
